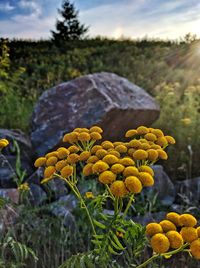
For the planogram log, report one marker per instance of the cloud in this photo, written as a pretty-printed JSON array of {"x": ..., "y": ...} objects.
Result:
[{"x": 6, "y": 7}]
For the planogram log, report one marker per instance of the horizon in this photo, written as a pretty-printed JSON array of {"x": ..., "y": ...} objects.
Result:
[{"x": 125, "y": 19}]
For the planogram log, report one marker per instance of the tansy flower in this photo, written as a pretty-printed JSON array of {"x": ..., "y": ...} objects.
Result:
[
  {"x": 100, "y": 167},
  {"x": 195, "y": 249},
  {"x": 130, "y": 133},
  {"x": 145, "y": 146},
  {"x": 118, "y": 188},
  {"x": 162, "y": 141},
  {"x": 117, "y": 168},
  {"x": 135, "y": 143},
  {"x": 114, "y": 152},
  {"x": 186, "y": 121},
  {"x": 84, "y": 129},
  {"x": 170, "y": 139},
  {"x": 127, "y": 161},
  {"x": 107, "y": 145},
  {"x": 157, "y": 132},
  {"x": 155, "y": 146},
  {"x": 167, "y": 226},
  {"x": 152, "y": 155},
  {"x": 49, "y": 171},
  {"x": 107, "y": 177},
  {"x": 84, "y": 155},
  {"x": 162, "y": 154},
  {"x": 130, "y": 171},
  {"x": 198, "y": 231},
  {"x": 153, "y": 228},
  {"x": 87, "y": 170},
  {"x": 66, "y": 171},
  {"x": 92, "y": 159},
  {"x": 51, "y": 161},
  {"x": 54, "y": 153},
  {"x": 150, "y": 137},
  {"x": 120, "y": 234},
  {"x": 146, "y": 179},
  {"x": 187, "y": 220},
  {"x": 121, "y": 148},
  {"x": 63, "y": 152},
  {"x": 96, "y": 129},
  {"x": 101, "y": 153},
  {"x": 189, "y": 234},
  {"x": 73, "y": 149},
  {"x": 110, "y": 159},
  {"x": 95, "y": 148},
  {"x": 140, "y": 155},
  {"x": 116, "y": 143},
  {"x": 131, "y": 151},
  {"x": 173, "y": 217},
  {"x": 40, "y": 162},
  {"x": 3, "y": 143},
  {"x": 160, "y": 243},
  {"x": 73, "y": 158},
  {"x": 84, "y": 136},
  {"x": 175, "y": 239},
  {"x": 133, "y": 184},
  {"x": 60, "y": 164},
  {"x": 89, "y": 195},
  {"x": 24, "y": 187},
  {"x": 95, "y": 136},
  {"x": 142, "y": 130},
  {"x": 71, "y": 137},
  {"x": 146, "y": 169}
]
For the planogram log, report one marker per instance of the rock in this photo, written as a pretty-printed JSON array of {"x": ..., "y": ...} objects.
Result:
[
  {"x": 7, "y": 173},
  {"x": 57, "y": 187},
  {"x": 10, "y": 194},
  {"x": 37, "y": 195},
  {"x": 105, "y": 99},
  {"x": 150, "y": 217},
  {"x": 36, "y": 176},
  {"x": 8, "y": 217},
  {"x": 69, "y": 201}
]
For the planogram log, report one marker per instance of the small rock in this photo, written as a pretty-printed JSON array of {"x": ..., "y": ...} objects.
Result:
[
  {"x": 7, "y": 173},
  {"x": 10, "y": 194},
  {"x": 37, "y": 195}
]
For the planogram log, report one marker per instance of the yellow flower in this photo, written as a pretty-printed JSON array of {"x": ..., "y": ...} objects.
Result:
[
  {"x": 160, "y": 243},
  {"x": 145, "y": 146},
  {"x": 63, "y": 152},
  {"x": 162, "y": 141},
  {"x": 127, "y": 161},
  {"x": 162, "y": 154},
  {"x": 92, "y": 159},
  {"x": 85, "y": 155},
  {"x": 89, "y": 195},
  {"x": 131, "y": 151},
  {"x": 157, "y": 132},
  {"x": 198, "y": 231},
  {"x": 87, "y": 170},
  {"x": 84, "y": 136},
  {"x": 73, "y": 149},
  {"x": 120, "y": 234},
  {"x": 49, "y": 171},
  {"x": 170, "y": 139},
  {"x": 40, "y": 162},
  {"x": 130, "y": 133},
  {"x": 107, "y": 145},
  {"x": 73, "y": 158},
  {"x": 3, "y": 143},
  {"x": 152, "y": 154},
  {"x": 135, "y": 144},
  {"x": 24, "y": 187},
  {"x": 155, "y": 146},
  {"x": 175, "y": 239},
  {"x": 107, "y": 177},
  {"x": 173, "y": 217},
  {"x": 117, "y": 168},
  {"x": 142, "y": 130},
  {"x": 66, "y": 171},
  {"x": 167, "y": 226},
  {"x": 186, "y": 121},
  {"x": 60, "y": 164},
  {"x": 95, "y": 136},
  {"x": 51, "y": 161},
  {"x": 140, "y": 155},
  {"x": 189, "y": 234},
  {"x": 118, "y": 188},
  {"x": 96, "y": 129},
  {"x": 187, "y": 220},
  {"x": 116, "y": 143},
  {"x": 150, "y": 137},
  {"x": 101, "y": 153},
  {"x": 146, "y": 169},
  {"x": 121, "y": 148},
  {"x": 96, "y": 148},
  {"x": 133, "y": 184},
  {"x": 110, "y": 159},
  {"x": 113, "y": 152},
  {"x": 195, "y": 249},
  {"x": 100, "y": 167},
  {"x": 130, "y": 171},
  {"x": 54, "y": 153},
  {"x": 71, "y": 137},
  {"x": 146, "y": 179},
  {"x": 153, "y": 228}
]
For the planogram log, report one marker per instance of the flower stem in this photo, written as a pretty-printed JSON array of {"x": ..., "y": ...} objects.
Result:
[
  {"x": 148, "y": 261},
  {"x": 128, "y": 205}
]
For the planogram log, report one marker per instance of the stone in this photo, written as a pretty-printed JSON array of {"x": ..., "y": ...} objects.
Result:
[
  {"x": 8, "y": 217},
  {"x": 105, "y": 99},
  {"x": 37, "y": 195},
  {"x": 149, "y": 217},
  {"x": 10, "y": 195},
  {"x": 7, "y": 173},
  {"x": 163, "y": 186}
]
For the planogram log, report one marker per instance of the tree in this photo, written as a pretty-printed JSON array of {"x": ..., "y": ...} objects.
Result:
[{"x": 69, "y": 28}]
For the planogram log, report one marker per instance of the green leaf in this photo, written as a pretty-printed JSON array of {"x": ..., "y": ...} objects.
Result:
[
  {"x": 99, "y": 224},
  {"x": 117, "y": 241},
  {"x": 112, "y": 251}
]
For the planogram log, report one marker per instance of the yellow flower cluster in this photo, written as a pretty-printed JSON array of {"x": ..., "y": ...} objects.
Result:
[
  {"x": 24, "y": 187},
  {"x": 3, "y": 143},
  {"x": 173, "y": 232}
]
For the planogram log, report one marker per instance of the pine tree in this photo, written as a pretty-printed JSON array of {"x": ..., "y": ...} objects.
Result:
[{"x": 69, "y": 28}]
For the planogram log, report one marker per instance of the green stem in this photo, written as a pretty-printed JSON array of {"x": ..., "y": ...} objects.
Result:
[
  {"x": 147, "y": 261},
  {"x": 128, "y": 205},
  {"x": 116, "y": 204}
]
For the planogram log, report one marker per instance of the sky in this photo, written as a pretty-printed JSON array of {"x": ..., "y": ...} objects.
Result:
[{"x": 166, "y": 19}]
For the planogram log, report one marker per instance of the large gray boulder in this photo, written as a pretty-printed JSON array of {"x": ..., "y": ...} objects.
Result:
[{"x": 105, "y": 99}]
